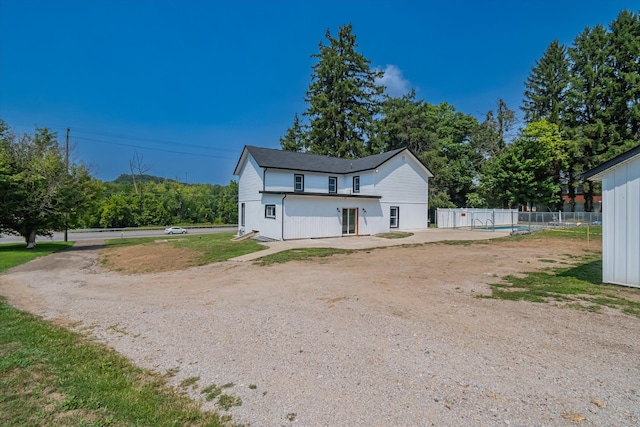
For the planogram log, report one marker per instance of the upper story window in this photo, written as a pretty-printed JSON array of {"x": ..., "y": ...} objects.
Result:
[
  {"x": 333, "y": 184},
  {"x": 356, "y": 184},
  {"x": 298, "y": 182}
]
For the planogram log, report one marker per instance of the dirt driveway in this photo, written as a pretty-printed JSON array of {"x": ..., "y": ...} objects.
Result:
[{"x": 387, "y": 337}]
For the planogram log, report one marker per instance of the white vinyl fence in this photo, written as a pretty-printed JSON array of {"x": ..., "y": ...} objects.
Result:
[
  {"x": 476, "y": 218},
  {"x": 492, "y": 218}
]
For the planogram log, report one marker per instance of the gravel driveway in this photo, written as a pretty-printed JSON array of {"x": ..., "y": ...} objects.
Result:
[{"x": 389, "y": 337}]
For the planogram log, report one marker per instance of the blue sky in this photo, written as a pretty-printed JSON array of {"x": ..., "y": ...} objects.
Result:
[{"x": 186, "y": 84}]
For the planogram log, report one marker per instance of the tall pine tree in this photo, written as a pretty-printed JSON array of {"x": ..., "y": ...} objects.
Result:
[
  {"x": 624, "y": 78},
  {"x": 589, "y": 118},
  {"x": 343, "y": 100},
  {"x": 295, "y": 138},
  {"x": 546, "y": 86}
]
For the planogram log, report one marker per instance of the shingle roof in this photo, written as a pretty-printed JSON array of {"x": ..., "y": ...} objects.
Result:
[{"x": 291, "y": 160}]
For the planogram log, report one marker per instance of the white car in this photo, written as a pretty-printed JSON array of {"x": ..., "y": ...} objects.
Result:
[{"x": 175, "y": 230}]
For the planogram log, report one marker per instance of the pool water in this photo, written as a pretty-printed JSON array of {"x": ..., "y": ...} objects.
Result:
[{"x": 507, "y": 227}]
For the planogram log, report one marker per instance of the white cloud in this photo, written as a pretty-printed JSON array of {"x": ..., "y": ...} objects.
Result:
[{"x": 393, "y": 80}]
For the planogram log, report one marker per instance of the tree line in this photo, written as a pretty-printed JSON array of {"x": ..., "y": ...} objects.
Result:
[
  {"x": 581, "y": 107},
  {"x": 42, "y": 191},
  {"x": 159, "y": 201}
]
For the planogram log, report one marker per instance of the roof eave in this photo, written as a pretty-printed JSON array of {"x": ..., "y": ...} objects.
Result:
[
  {"x": 241, "y": 161},
  {"x": 597, "y": 173},
  {"x": 314, "y": 194}
]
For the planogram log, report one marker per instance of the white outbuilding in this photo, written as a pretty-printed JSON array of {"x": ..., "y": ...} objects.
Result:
[{"x": 620, "y": 178}]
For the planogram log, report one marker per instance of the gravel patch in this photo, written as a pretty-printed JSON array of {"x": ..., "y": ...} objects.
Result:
[{"x": 395, "y": 336}]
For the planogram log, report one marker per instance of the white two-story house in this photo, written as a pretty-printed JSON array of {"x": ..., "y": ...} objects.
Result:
[{"x": 289, "y": 195}]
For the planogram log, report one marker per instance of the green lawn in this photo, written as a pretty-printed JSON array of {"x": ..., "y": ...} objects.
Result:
[
  {"x": 13, "y": 254},
  {"x": 51, "y": 376},
  {"x": 301, "y": 254},
  {"x": 579, "y": 286}
]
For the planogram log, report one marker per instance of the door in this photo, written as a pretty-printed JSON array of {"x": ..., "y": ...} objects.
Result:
[{"x": 349, "y": 221}]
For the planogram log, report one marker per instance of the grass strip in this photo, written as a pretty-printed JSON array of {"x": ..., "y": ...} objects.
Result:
[
  {"x": 302, "y": 254},
  {"x": 51, "y": 376},
  {"x": 209, "y": 248},
  {"x": 394, "y": 235},
  {"x": 13, "y": 254},
  {"x": 579, "y": 286}
]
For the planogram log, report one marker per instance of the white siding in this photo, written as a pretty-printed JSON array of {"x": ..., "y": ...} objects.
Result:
[
  {"x": 281, "y": 180},
  {"x": 308, "y": 217},
  {"x": 270, "y": 227},
  {"x": 371, "y": 217},
  {"x": 250, "y": 181},
  {"x": 314, "y": 217},
  {"x": 402, "y": 183},
  {"x": 366, "y": 183},
  {"x": 249, "y": 186},
  {"x": 621, "y": 224}
]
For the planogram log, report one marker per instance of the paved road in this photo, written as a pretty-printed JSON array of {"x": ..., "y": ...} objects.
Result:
[{"x": 100, "y": 235}]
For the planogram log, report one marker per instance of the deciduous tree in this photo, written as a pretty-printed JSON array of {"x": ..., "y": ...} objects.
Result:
[
  {"x": 43, "y": 191},
  {"x": 528, "y": 172}
]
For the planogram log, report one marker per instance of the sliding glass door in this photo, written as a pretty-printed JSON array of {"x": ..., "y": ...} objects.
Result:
[{"x": 349, "y": 221}]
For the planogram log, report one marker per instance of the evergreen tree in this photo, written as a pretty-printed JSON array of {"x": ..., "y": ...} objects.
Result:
[
  {"x": 343, "y": 98},
  {"x": 295, "y": 138},
  {"x": 589, "y": 116},
  {"x": 546, "y": 86},
  {"x": 624, "y": 77},
  {"x": 404, "y": 123},
  {"x": 506, "y": 121}
]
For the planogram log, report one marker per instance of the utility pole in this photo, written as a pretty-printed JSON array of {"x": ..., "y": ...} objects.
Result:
[{"x": 66, "y": 163}]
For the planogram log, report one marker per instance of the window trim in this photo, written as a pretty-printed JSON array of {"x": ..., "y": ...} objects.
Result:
[
  {"x": 396, "y": 217},
  {"x": 295, "y": 179},
  {"x": 335, "y": 184},
  {"x": 356, "y": 179},
  {"x": 267, "y": 208}
]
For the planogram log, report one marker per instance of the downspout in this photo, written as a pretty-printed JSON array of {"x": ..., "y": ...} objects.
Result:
[
  {"x": 282, "y": 226},
  {"x": 264, "y": 177}
]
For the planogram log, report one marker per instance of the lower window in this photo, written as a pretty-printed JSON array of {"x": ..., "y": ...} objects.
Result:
[
  {"x": 270, "y": 211},
  {"x": 394, "y": 215}
]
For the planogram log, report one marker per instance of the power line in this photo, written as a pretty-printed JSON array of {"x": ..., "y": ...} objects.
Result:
[
  {"x": 160, "y": 141},
  {"x": 31, "y": 131},
  {"x": 153, "y": 149}
]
